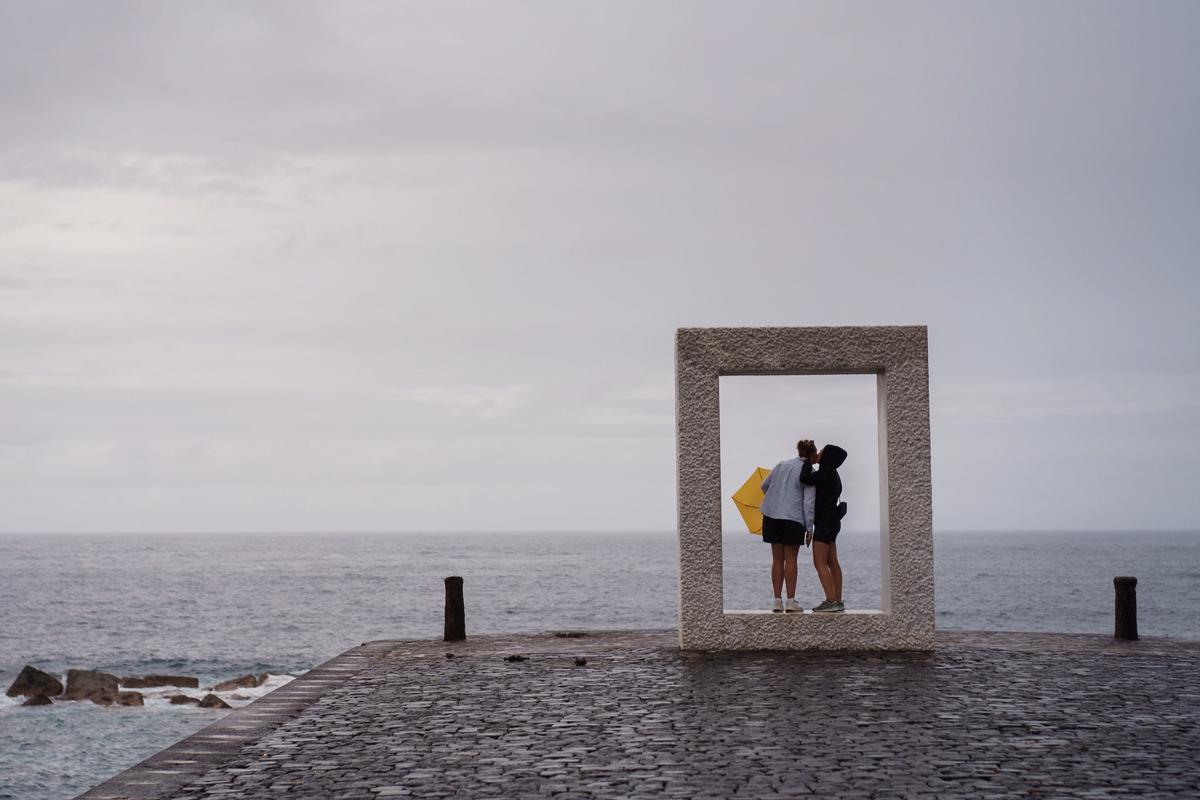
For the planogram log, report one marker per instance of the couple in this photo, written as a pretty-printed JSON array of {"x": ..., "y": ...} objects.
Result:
[{"x": 800, "y": 506}]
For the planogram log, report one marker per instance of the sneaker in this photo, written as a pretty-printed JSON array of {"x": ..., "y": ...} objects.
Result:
[
  {"x": 793, "y": 607},
  {"x": 827, "y": 606},
  {"x": 778, "y": 608},
  {"x": 838, "y": 607}
]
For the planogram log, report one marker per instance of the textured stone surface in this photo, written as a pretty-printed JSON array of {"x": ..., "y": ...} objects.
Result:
[
  {"x": 244, "y": 682},
  {"x": 898, "y": 357},
  {"x": 156, "y": 681},
  {"x": 210, "y": 700},
  {"x": 984, "y": 715},
  {"x": 86, "y": 684},
  {"x": 32, "y": 682}
]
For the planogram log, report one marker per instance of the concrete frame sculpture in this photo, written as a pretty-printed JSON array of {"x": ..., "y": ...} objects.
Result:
[{"x": 898, "y": 357}]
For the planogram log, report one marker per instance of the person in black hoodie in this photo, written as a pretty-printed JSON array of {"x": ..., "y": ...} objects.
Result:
[{"x": 828, "y": 518}]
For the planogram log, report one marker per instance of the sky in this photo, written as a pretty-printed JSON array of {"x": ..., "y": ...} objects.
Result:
[{"x": 298, "y": 266}]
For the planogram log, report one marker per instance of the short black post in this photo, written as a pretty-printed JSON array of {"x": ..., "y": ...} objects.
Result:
[
  {"x": 1126, "y": 623},
  {"x": 456, "y": 615}
]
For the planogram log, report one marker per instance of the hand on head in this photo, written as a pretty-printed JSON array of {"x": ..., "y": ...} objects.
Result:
[{"x": 806, "y": 448}]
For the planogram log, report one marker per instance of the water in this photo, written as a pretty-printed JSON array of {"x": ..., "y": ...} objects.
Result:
[{"x": 221, "y": 606}]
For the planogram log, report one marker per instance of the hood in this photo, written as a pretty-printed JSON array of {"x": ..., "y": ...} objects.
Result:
[{"x": 832, "y": 457}]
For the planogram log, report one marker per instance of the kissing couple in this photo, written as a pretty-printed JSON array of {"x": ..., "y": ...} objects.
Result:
[{"x": 802, "y": 506}]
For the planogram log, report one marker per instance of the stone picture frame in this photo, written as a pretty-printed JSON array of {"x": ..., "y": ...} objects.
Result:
[{"x": 899, "y": 358}]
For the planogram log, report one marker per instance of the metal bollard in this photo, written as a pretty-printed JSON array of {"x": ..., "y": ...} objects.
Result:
[
  {"x": 1126, "y": 616},
  {"x": 456, "y": 615}
]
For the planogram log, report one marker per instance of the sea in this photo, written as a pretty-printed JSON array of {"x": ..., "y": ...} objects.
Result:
[{"x": 218, "y": 606}]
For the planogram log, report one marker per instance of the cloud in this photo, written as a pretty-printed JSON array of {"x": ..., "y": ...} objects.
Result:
[
  {"x": 1115, "y": 395},
  {"x": 231, "y": 176},
  {"x": 488, "y": 402},
  {"x": 295, "y": 264}
]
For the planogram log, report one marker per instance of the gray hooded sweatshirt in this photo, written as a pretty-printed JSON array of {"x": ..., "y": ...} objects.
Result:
[{"x": 785, "y": 497}]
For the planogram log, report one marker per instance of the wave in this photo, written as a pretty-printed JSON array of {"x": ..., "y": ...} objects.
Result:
[
  {"x": 234, "y": 697},
  {"x": 161, "y": 695}
]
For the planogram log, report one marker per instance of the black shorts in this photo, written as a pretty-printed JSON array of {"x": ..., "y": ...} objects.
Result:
[
  {"x": 826, "y": 533},
  {"x": 782, "y": 531}
]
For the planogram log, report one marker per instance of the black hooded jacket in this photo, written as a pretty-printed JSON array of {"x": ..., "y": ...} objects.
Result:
[{"x": 829, "y": 487}]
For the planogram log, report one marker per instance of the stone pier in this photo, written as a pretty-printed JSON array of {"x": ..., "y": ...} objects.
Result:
[{"x": 627, "y": 714}]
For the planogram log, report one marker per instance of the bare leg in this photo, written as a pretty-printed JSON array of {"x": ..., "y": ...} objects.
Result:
[
  {"x": 835, "y": 571},
  {"x": 777, "y": 569},
  {"x": 821, "y": 563},
  {"x": 789, "y": 568}
]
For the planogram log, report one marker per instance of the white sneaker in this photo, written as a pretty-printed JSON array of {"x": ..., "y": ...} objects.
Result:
[
  {"x": 778, "y": 606},
  {"x": 793, "y": 607}
]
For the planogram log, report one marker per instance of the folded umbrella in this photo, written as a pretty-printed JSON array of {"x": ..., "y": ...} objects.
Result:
[{"x": 749, "y": 498}]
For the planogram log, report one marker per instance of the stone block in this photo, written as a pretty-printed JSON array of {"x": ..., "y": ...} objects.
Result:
[{"x": 898, "y": 357}]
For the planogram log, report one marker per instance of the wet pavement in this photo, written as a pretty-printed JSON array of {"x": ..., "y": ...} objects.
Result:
[{"x": 985, "y": 715}]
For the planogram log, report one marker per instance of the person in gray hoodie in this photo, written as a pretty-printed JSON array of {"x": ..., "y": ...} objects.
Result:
[{"x": 788, "y": 519}]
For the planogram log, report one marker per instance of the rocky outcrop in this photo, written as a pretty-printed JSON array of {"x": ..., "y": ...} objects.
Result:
[
  {"x": 244, "y": 682},
  {"x": 32, "y": 682},
  {"x": 86, "y": 684},
  {"x": 105, "y": 689},
  {"x": 212, "y": 701},
  {"x": 158, "y": 681}
]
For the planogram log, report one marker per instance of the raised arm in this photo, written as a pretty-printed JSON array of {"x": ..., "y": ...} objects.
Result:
[{"x": 806, "y": 474}]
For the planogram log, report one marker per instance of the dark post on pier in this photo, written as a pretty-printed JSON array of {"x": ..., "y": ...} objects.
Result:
[
  {"x": 456, "y": 615},
  {"x": 1126, "y": 621}
]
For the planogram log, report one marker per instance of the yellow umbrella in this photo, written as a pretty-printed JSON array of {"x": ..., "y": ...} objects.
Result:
[{"x": 749, "y": 498}]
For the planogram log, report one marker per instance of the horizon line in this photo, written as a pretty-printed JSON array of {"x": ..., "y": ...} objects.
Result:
[{"x": 527, "y": 531}]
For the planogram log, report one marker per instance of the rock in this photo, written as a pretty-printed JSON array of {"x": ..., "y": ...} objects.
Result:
[
  {"x": 244, "y": 682},
  {"x": 32, "y": 682},
  {"x": 239, "y": 696},
  {"x": 157, "y": 681},
  {"x": 38, "y": 700},
  {"x": 516, "y": 658},
  {"x": 581, "y": 662},
  {"x": 263, "y": 678},
  {"x": 212, "y": 701},
  {"x": 130, "y": 699},
  {"x": 85, "y": 684},
  {"x": 183, "y": 700}
]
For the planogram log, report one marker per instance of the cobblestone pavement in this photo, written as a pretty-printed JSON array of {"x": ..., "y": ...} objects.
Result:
[{"x": 986, "y": 715}]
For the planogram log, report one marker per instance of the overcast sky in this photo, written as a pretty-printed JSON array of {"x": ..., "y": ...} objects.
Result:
[{"x": 398, "y": 266}]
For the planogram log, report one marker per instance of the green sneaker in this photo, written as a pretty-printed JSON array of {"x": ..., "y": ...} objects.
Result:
[
  {"x": 826, "y": 607},
  {"x": 838, "y": 607}
]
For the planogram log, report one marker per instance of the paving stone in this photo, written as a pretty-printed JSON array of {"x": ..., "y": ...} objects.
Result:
[{"x": 985, "y": 715}]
